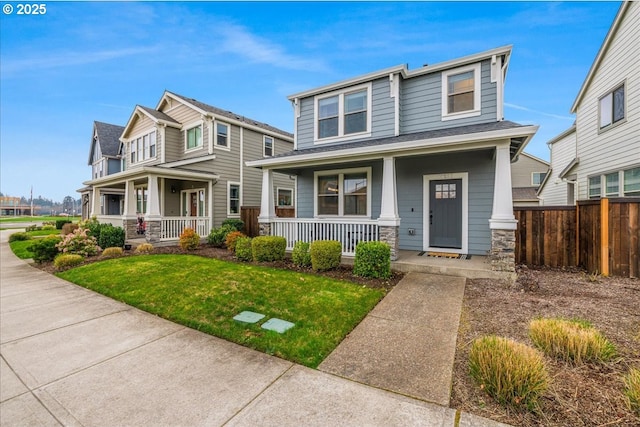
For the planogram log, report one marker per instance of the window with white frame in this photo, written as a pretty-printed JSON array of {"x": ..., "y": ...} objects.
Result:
[
  {"x": 632, "y": 182},
  {"x": 194, "y": 202},
  {"x": 612, "y": 107},
  {"x": 193, "y": 137},
  {"x": 343, "y": 114},
  {"x": 537, "y": 178},
  {"x": 222, "y": 135},
  {"x": 233, "y": 194},
  {"x": 612, "y": 184},
  {"x": 285, "y": 197},
  {"x": 595, "y": 187},
  {"x": 143, "y": 147},
  {"x": 343, "y": 193},
  {"x": 141, "y": 199},
  {"x": 461, "y": 92},
  {"x": 267, "y": 144}
]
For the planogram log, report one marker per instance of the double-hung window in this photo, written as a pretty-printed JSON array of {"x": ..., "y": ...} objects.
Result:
[
  {"x": 222, "y": 135},
  {"x": 285, "y": 197},
  {"x": 233, "y": 193},
  {"x": 143, "y": 147},
  {"x": 632, "y": 182},
  {"x": 343, "y": 114},
  {"x": 612, "y": 185},
  {"x": 343, "y": 193},
  {"x": 194, "y": 137},
  {"x": 537, "y": 178},
  {"x": 267, "y": 146},
  {"x": 595, "y": 187},
  {"x": 612, "y": 107},
  {"x": 461, "y": 92}
]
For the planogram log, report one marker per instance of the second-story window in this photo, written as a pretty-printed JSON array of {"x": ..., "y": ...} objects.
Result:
[
  {"x": 340, "y": 115},
  {"x": 461, "y": 92},
  {"x": 268, "y": 146},
  {"x": 612, "y": 107},
  {"x": 194, "y": 137},
  {"x": 222, "y": 135},
  {"x": 142, "y": 148},
  {"x": 537, "y": 178}
]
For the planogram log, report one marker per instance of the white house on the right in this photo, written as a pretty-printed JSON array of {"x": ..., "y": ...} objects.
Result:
[{"x": 599, "y": 156}]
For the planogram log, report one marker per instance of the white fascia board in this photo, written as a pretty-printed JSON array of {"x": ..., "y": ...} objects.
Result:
[
  {"x": 153, "y": 118},
  {"x": 187, "y": 161},
  {"x": 400, "y": 149},
  {"x": 147, "y": 170},
  {"x": 603, "y": 50},
  {"x": 538, "y": 159},
  {"x": 567, "y": 132},
  {"x": 499, "y": 51}
]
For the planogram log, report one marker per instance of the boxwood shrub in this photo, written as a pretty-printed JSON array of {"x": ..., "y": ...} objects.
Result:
[
  {"x": 268, "y": 248},
  {"x": 300, "y": 254},
  {"x": 45, "y": 249},
  {"x": 61, "y": 222},
  {"x": 19, "y": 236},
  {"x": 373, "y": 259},
  {"x": 218, "y": 236},
  {"x": 110, "y": 236},
  {"x": 325, "y": 254},
  {"x": 237, "y": 224},
  {"x": 244, "y": 251}
]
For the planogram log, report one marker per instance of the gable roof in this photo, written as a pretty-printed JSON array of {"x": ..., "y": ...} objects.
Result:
[
  {"x": 155, "y": 115},
  {"x": 601, "y": 53},
  {"x": 108, "y": 136},
  {"x": 537, "y": 159},
  {"x": 524, "y": 194},
  {"x": 229, "y": 115},
  {"x": 406, "y": 73}
]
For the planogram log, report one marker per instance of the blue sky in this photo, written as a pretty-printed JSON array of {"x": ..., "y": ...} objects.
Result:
[{"x": 86, "y": 61}]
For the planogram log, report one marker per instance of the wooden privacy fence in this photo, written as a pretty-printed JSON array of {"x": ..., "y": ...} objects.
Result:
[
  {"x": 599, "y": 235},
  {"x": 249, "y": 214}
]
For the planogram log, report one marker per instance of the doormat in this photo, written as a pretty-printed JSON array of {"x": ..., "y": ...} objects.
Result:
[{"x": 445, "y": 255}]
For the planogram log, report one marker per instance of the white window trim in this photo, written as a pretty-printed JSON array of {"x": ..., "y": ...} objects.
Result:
[
  {"x": 465, "y": 211},
  {"x": 626, "y": 111},
  {"x": 595, "y": 196},
  {"x": 185, "y": 194},
  {"x": 539, "y": 173},
  {"x": 185, "y": 128},
  {"x": 229, "y": 214},
  {"x": 293, "y": 202},
  {"x": 477, "y": 89},
  {"x": 134, "y": 138},
  {"x": 215, "y": 136},
  {"x": 264, "y": 146},
  {"x": 341, "y": 93},
  {"x": 341, "y": 173}
]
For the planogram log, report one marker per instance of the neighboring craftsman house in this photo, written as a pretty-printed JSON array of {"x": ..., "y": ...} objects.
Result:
[
  {"x": 527, "y": 173},
  {"x": 420, "y": 159}
]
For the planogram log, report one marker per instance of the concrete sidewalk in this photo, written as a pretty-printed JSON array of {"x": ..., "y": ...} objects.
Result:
[{"x": 75, "y": 358}]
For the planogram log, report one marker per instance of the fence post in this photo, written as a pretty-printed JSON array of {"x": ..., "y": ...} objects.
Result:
[
  {"x": 577, "y": 253},
  {"x": 604, "y": 236}
]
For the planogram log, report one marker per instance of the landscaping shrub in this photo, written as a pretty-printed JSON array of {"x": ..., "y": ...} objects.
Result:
[
  {"x": 570, "y": 340},
  {"x": 144, "y": 248},
  {"x": 301, "y": 255},
  {"x": 232, "y": 238},
  {"x": 510, "y": 372},
  {"x": 64, "y": 261},
  {"x": 189, "y": 239},
  {"x": 236, "y": 223},
  {"x": 19, "y": 236},
  {"x": 45, "y": 249},
  {"x": 113, "y": 252},
  {"x": 268, "y": 248},
  {"x": 92, "y": 225},
  {"x": 79, "y": 242},
  {"x": 325, "y": 254},
  {"x": 244, "y": 251},
  {"x": 373, "y": 259},
  {"x": 32, "y": 228},
  {"x": 218, "y": 236},
  {"x": 632, "y": 389},
  {"x": 49, "y": 223},
  {"x": 48, "y": 227},
  {"x": 61, "y": 222},
  {"x": 110, "y": 236},
  {"x": 69, "y": 228}
]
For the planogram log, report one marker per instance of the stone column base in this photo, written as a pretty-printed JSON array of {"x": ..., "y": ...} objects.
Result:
[
  {"x": 153, "y": 230},
  {"x": 503, "y": 246},
  {"x": 390, "y": 235},
  {"x": 130, "y": 229},
  {"x": 265, "y": 228}
]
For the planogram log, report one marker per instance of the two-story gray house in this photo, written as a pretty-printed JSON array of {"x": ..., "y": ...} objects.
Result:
[
  {"x": 183, "y": 165},
  {"x": 417, "y": 158}
]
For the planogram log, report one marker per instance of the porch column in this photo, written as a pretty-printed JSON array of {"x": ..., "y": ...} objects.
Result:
[
  {"x": 95, "y": 202},
  {"x": 389, "y": 221},
  {"x": 153, "y": 217},
  {"x": 503, "y": 223},
  {"x": 267, "y": 204},
  {"x": 129, "y": 219}
]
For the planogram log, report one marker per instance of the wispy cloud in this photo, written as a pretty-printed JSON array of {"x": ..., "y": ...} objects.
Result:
[
  {"x": 69, "y": 59},
  {"x": 542, "y": 113},
  {"x": 239, "y": 41}
]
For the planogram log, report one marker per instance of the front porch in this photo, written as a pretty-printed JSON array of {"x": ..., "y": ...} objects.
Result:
[{"x": 163, "y": 229}]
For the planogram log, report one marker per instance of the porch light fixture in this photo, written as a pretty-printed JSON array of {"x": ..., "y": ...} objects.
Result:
[{"x": 173, "y": 189}]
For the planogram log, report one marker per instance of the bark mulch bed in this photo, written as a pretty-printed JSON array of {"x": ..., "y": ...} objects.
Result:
[{"x": 587, "y": 395}]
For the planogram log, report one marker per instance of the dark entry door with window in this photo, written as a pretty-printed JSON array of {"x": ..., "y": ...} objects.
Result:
[{"x": 445, "y": 213}]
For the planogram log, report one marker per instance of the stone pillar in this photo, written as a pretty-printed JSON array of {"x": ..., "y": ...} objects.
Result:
[
  {"x": 130, "y": 226},
  {"x": 503, "y": 246},
  {"x": 265, "y": 228},
  {"x": 153, "y": 230},
  {"x": 390, "y": 235}
]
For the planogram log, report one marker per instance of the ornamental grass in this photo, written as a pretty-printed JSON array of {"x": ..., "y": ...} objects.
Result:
[{"x": 632, "y": 389}]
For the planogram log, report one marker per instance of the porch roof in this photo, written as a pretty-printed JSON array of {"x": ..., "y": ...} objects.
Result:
[
  {"x": 144, "y": 171},
  {"x": 441, "y": 140}
]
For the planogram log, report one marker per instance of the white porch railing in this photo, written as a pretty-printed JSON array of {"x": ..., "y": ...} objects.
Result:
[
  {"x": 172, "y": 227},
  {"x": 345, "y": 230},
  {"x": 115, "y": 220}
]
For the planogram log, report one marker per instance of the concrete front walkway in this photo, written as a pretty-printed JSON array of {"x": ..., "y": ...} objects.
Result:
[{"x": 75, "y": 358}]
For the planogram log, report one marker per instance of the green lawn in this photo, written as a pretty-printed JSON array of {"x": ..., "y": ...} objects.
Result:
[
  {"x": 21, "y": 248},
  {"x": 33, "y": 219},
  {"x": 205, "y": 294}
]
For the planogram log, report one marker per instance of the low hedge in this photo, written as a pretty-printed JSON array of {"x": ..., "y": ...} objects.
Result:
[
  {"x": 64, "y": 261},
  {"x": 110, "y": 236},
  {"x": 301, "y": 255},
  {"x": 244, "y": 250},
  {"x": 325, "y": 254},
  {"x": 45, "y": 249},
  {"x": 19, "y": 236},
  {"x": 373, "y": 259},
  {"x": 268, "y": 248},
  {"x": 236, "y": 223}
]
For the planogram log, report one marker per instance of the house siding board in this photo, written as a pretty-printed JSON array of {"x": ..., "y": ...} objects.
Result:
[
  {"x": 409, "y": 177},
  {"x": 186, "y": 116},
  {"x": 383, "y": 115},
  {"x": 523, "y": 169},
  {"x": 563, "y": 152},
  {"x": 618, "y": 147},
  {"x": 174, "y": 146},
  {"x": 305, "y": 124},
  {"x": 421, "y": 103}
]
